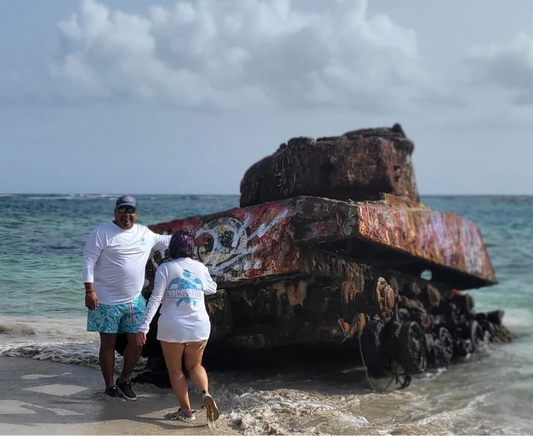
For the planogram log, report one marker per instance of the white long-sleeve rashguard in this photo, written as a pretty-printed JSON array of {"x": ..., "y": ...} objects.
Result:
[
  {"x": 114, "y": 260},
  {"x": 180, "y": 286}
]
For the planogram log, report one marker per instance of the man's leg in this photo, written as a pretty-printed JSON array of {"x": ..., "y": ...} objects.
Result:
[
  {"x": 130, "y": 323},
  {"x": 107, "y": 357},
  {"x": 131, "y": 357},
  {"x": 104, "y": 321}
]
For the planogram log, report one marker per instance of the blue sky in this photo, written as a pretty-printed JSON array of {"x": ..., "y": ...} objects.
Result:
[{"x": 182, "y": 97}]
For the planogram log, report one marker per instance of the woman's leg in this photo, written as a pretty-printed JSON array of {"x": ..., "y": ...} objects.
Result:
[
  {"x": 173, "y": 353},
  {"x": 194, "y": 352},
  {"x": 193, "y": 362}
]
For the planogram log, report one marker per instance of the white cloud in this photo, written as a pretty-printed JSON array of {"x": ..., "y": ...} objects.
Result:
[
  {"x": 507, "y": 65},
  {"x": 212, "y": 53}
]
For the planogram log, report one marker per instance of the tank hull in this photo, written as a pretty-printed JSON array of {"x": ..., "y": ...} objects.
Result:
[{"x": 369, "y": 268}]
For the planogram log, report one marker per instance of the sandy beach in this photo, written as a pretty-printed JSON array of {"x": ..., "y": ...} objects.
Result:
[{"x": 44, "y": 397}]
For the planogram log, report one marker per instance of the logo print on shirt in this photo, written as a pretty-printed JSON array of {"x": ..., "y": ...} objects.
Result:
[
  {"x": 186, "y": 289},
  {"x": 143, "y": 241},
  {"x": 190, "y": 300}
]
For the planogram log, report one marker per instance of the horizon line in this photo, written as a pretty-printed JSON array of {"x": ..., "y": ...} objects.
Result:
[{"x": 235, "y": 195}]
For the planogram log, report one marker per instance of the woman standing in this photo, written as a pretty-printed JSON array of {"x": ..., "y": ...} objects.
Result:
[{"x": 183, "y": 327}]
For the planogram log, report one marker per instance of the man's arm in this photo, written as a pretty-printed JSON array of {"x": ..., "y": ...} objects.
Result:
[
  {"x": 91, "y": 300},
  {"x": 91, "y": 254},
  {"x": 162, "y": 241}
]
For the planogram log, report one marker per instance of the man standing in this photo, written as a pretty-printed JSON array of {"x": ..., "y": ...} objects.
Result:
[{"x": 114, "y": 262}]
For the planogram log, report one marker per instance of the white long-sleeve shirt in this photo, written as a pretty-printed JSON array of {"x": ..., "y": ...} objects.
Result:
[
  {"x": 114, "y": 260},
  {"x": 180, "y": 285}
]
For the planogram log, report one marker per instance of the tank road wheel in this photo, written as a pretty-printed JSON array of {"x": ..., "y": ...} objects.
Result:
[
  {"x": 412, "y": 348},
  {"x": 475, "y": 334},
  {"x": 446, "y": 345},
  {"x": 371, "y": 349},
  {"x": 431, "y": 351}
]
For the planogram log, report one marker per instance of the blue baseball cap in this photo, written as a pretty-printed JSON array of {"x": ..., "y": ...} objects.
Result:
[{"x": 127, "y": 200}]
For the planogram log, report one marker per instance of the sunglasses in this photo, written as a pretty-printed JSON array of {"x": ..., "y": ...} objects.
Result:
[{"x": 126, "y": 209}]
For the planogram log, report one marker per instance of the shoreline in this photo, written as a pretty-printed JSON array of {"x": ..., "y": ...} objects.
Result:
[{"x": 45, "y": 397}]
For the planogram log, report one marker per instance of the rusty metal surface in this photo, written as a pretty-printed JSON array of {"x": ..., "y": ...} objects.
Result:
[
  {"x": 443, "y": 238},
  {"x": 268, "y": 240},
  {"x": 328, "y": 301},
  {"x": 247, "y": 243},
  {"x": 219, "y": 309},
  {"x": 329, "y": 306},
  {"x": 358, "y": 165}
]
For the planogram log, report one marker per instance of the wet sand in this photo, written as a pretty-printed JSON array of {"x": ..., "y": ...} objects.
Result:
[
  {"x": 44, "y": 397},
  {"x": 312, "y": 394}
]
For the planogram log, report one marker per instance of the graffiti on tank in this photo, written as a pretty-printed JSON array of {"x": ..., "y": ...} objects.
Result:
[{"x": 233, "y": 243}]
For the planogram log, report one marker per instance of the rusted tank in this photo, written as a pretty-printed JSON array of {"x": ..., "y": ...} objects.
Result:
[{"x": 331, "y": 245}]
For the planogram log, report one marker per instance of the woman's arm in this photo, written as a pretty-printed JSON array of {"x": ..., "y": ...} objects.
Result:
[
  {"x": 210, "y": 286},
  {"x": 160, "y": 284}
]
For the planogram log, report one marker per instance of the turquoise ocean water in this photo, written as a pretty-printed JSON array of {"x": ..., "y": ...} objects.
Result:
[{"x": 42, "y": 316}]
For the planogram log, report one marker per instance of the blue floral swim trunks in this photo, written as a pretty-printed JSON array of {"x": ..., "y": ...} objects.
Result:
[{"x": 117, "y": 318}]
